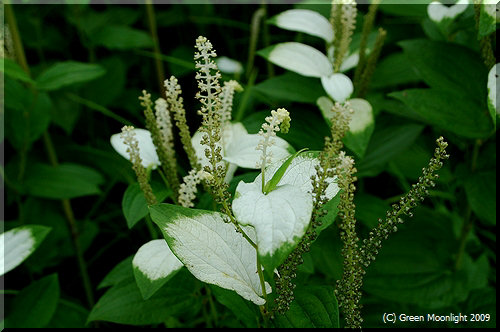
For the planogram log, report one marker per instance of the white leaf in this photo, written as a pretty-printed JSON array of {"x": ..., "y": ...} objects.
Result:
[
  {"x": 155, "y": 260},
  {"x": 154, "y": 264},
  {"x": 300, "y": 58},
  {"x": 228, "y": 65},
  {"x": 147, "y": 150},
  {"x": 299, "y": 174},
  {"x": 230, "y": 132},
  {"x": 338, "y": 86},
  {"x": 18, "y": 243},
  {"x": 242, "y": 150},
  {"x": 211, "y": 249},
  {"x": 362, "y": 116},
  {"x": 280, "y": 218},
  {"x": 304, "y": 20},
  {"x": 438, "y": 12},
  {"x": 493, "y": 87}
]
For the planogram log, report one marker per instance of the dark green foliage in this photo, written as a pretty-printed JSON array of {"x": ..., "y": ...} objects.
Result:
[{"x": 86, "y": 65}]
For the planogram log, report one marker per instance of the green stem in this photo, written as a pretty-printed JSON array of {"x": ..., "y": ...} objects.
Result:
[
  {"x": 151, "y": 228},
  {"x": 263, "y": 308},
  {"x": 156, "y": 45},
  {"x": 211, "y": 303},
  {"x": 254, "y": 35}
]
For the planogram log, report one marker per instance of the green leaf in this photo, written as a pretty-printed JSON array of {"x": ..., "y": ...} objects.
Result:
[
  {"x": 244, "y": 310},
  {"x": 154, "y": 264},
  {"x": 123, "y": 303},
  {"x": 69, "y": 315},
  {"x": 304, "y": 20},
  {"x": 35, "y": 305},
  {"x": 314, "y": 306},
  {"x": 68, "y": 73},
  {"x": 290, "y": 87},
  {"x": 134, "y": 204},
  {"x": 481, "y": 193},
  {"x": 211, "y": 248},
  {"x": 18, "y": 243},
  {"x": 120, "y": 272},
  {"x": 417, "y": 265},
  {"x": 405, "y": 8},
  {"x": 394, "y": 69},
  {"x": 119, "y": 37},
  {"x": 300, "y": 58},
  {"x": 13, "y": 70},
  {"x": 370, "y": 208},
  {"x": 448, "y": 66},
  {"x": 62, "y": 181},
  {"x": 28, "y": 115},
  {"x": 388, "y": 140},
  {"x": 448, "y": 110}
]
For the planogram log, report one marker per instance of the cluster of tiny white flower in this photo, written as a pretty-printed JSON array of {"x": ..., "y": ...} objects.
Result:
[
  {"x": 188, "y": 190},
  {"x": 268, "y": 131}
]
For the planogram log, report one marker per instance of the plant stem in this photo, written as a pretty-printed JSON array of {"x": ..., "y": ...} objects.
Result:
[
  {"x": 156, "y": 45},
  {"x": 254, "y": 34}
]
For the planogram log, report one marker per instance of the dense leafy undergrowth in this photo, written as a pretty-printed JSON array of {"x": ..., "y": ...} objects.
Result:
[{"x": 75, "y": 214}]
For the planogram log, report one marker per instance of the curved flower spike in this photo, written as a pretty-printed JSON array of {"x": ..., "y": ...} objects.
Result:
[{"x": 147, "y": 150}]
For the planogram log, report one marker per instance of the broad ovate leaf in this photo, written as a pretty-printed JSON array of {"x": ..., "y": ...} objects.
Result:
[
  {"x": 338, "y": 86},
  {"x": 147, "y": 150},
  {"x": 304, "y": 20},
  {"x": 280, "y": 218},
  {"x": 18, "y": 243},
  {"x": 154, "y": 264},
  {"x": 439, "y": 12},
  {"x": 493, "y": 92},
  {"x": 300, "y": 58},
  {"x": 211, "y": 249}
]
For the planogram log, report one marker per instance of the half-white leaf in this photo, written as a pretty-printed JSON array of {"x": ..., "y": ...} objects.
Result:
[
  {"x": 211, "y": 249},
  {"x": 242, "y": 150},
  {"x": 338, "y": 86},
  {"x": 438, "y": 12},
  {"x": 154, "y": 264},
  {"x": 493, "y": 87},
  {"x": 147, "y": 150},
  {"x": 300, "y": 58},
  {"x": 18, "y": 243},
  {"x": 280, "y": 218},
  {"x": 304, "y": 20},
  {"x": 299, "y": 174}
]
